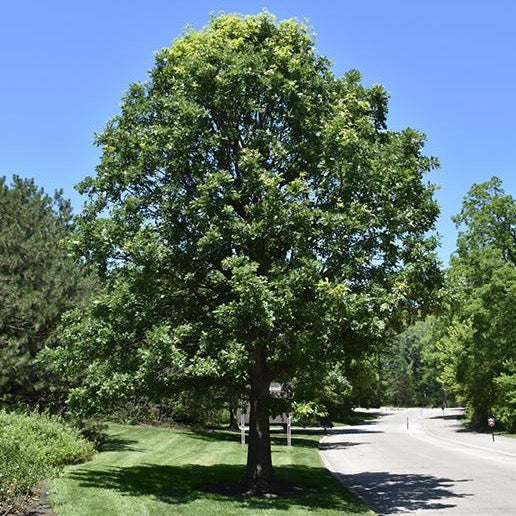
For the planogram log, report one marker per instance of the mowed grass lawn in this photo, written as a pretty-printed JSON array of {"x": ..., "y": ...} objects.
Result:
[{"x": 150, "y": 470}]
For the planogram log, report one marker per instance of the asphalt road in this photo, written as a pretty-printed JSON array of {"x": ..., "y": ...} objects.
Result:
[{"x": 434, "y": 466}]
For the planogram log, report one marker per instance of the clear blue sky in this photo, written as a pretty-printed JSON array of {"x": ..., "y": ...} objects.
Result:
[{"x": 450, "y": 67}]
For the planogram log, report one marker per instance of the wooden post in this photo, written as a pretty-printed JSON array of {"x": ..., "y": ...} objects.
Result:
[{"x": 242, "y": 429}]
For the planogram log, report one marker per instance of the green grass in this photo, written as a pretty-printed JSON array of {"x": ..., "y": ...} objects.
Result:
[{"x": 153, "y": 471}]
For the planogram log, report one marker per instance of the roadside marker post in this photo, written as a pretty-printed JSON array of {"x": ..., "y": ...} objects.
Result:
[
  {"x": 491, "y": 421},
  {"x": 289, "y": 431},
  {"x": 242, "y": 429}
]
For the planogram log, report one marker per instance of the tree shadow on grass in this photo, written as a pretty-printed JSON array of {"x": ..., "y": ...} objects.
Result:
[
  {"x": 297, "y": 442},
  {"x": 388, "y": 493},
  {"x": 182, "y": 484},
  {"x": 300, "y": 437},
  {"x": 114, "y": 442},
  {"x": 214, "y": 435},
  {"x": 277, "y": 438}
]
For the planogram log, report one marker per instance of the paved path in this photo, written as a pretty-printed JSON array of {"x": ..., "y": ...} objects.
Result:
[{"x": 433, "y": 467}]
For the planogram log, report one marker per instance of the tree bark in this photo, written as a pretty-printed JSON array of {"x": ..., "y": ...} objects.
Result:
[
  {"x": 259, "y": 462},
  {"x": 233, "y": 422}
]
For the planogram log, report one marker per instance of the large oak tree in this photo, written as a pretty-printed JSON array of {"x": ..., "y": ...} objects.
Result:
[{"x": 251, "y": 214}]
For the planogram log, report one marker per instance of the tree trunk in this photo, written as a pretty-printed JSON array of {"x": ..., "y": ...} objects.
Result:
[
  {"x": 233, "y": 421},
  {"x": 259, "y": 462}
]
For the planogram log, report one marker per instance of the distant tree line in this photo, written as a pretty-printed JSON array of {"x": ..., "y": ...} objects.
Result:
[
  {"x": 466, "y": 352},
  {"x": 463, "y": 353}
]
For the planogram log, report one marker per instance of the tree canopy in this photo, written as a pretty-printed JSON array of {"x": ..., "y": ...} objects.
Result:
[
  {"x": 478, "y": 355},
  {"x": 251, "y": 214}
]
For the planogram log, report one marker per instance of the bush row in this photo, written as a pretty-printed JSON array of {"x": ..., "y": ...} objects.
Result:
[{"x": 34, "y": 447}]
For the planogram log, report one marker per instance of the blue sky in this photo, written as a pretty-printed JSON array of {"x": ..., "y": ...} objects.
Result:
[{"x": 450, "y": 67}]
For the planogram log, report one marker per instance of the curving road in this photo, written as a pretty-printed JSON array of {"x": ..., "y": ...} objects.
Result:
[{"x": 434, "y": 466}]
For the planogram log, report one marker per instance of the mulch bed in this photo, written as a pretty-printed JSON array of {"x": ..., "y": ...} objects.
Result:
[{"x": 39, "y": 505}]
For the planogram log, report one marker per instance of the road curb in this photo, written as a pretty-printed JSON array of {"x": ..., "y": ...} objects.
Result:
[
  {"x": 461, "y": 443},
  {"x": 329, "y": 466}
]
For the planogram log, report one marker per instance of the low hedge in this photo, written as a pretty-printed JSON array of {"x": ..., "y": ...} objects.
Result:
[{"x": 34, "y": 447}]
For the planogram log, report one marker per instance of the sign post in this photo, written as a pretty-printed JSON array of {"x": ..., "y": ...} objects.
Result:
[
  {"x": 242, "y": 428},
  {"x": 491, "y": 421}
]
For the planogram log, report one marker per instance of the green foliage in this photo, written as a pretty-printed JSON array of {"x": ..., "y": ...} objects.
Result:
[
  {"x": 246, "y": 197},
  {"x": 309, "y": 414},
  {"x": 251, "y": 214},
  {"x": 505, "y": 407},
  {"x": 409, "y": 368},
  {"x": 331, "y": 391},
  {"x": 19, "y": 473},
  {"x": 486, "y": 223},
  {"x": 32, "y": 448},
  {"x": 38, "y": 283},
  {"x": 339, "y": 387},
  {"x": 477, "y": 351},
  {"x": 363, "y": 374}
]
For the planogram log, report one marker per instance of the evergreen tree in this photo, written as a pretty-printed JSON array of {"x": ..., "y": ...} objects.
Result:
[{"x": 38, "y": 283}]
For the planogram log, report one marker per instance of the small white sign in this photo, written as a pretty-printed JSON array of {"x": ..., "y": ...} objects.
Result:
[{"x": 491, "y": 421}]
